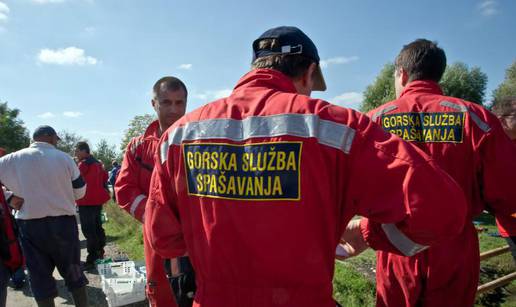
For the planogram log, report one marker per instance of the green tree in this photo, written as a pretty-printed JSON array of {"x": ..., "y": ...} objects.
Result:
[
  {"x": 105, "y": 153},
  {"x": 13, "y": 134},
  {"x": 68, "y": 141},
  {"x": 381, "y": 90},
  {"x": 137, "y": 127},
  {"x": 462, "y": 82},
  {"x": 508, "y": 87},
  {"x": 458, "y": 81}
]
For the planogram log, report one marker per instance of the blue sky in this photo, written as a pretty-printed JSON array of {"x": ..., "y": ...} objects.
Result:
[{"x": 87, "y": 66}]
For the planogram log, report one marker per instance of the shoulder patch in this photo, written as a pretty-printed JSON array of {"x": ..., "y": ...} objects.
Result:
[
  {"x": 434, "y": 127},
  {"x": 253, "y": 172}
]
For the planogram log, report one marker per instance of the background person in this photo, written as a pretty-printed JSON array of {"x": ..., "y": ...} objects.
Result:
[
  {"x": 132, "y": 189},
  {"x": 469, "y": 143},
  {"x": 49, "y": 182},
  {"x": 90, "y": 206}
]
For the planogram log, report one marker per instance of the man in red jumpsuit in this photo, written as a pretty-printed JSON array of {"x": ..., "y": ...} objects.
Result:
[
  {"x": 132, "y": 186},
  {"x": 259, "y": 187},
  {"x": 469, "y": 143},
  {"x": 506, "y": 112},
  {"x": 90, "y": 206}
]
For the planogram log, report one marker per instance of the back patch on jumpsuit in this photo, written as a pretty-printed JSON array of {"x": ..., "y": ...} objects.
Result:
[
  {"x": 439, "y": 127},
  {"x": 260, "y": 172}
]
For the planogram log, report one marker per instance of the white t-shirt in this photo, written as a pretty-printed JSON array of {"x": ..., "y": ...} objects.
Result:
[{"x": 42, "y": 175}]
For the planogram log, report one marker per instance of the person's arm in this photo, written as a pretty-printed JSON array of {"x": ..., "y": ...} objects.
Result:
[
  {"x": 162, "y": 226},
  {"x": 407, "y": 202},
  {"x": 498, "y": 176},
  {"x": 129, "y": 195},
  {"x": 78, "y": 183}
]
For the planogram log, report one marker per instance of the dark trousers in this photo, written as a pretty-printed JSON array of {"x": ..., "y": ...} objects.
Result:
[
  {"x": 48, "y": 243},
  {"x": 91, "y": 227},
  {"x": 4, "y": 279}
]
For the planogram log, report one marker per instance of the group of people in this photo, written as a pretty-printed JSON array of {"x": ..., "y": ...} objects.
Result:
[{"x": 248, "y": 200}]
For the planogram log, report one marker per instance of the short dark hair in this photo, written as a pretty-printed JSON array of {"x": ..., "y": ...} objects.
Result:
[
  {"x": 170, "y": 84},
  {"x": 82, "y": 146},
  {"x": 422, "y": 60},
  {"x": 506, "y": 106},
  {"x": 291, "y": 65}
]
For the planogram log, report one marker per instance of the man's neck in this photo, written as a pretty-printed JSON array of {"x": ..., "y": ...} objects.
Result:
[{"x": 162, "y": 128}]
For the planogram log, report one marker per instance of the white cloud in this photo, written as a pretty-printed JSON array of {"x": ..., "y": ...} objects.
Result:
[
  {"x": 488, "y": 7},
  {"x": 46, "y": 115},
  {"x": 213, "y": 95},
  {"x": 48, "y": 1},
  {"x": 338, "y": 60},
  {"x": 72, "y": 114},
  {"x": 185, "y": 66},
  {"x": 66, "y": 56},
  {"x": 348, "y": 100},
  {"x": 4, "y": 11}
]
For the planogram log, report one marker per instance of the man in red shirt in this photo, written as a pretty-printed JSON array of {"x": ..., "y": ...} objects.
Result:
[
  {"x": 469, "y": 143},
  {"x": 132, "y": 189},
  {"x": 258, "y": 187},
  {"x": 90, "y": 206},
  {"x": 506, "y": 112}
]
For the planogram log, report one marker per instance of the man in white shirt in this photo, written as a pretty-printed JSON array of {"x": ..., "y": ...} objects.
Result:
[{"x": 49, "y": 182}]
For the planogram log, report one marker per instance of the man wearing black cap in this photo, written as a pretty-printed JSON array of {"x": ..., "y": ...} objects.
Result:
[
  {"x": 259, "y": 187},
  {"x": 49, "y": 182}
]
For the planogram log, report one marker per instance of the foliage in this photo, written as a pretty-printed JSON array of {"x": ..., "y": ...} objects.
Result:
[
  {"x": 68, "y": 141},
  {"x": 13, "y": 134},
  {"x": 137, "y": 127},
  {"x": 508, "y": 87},
  {"x": 461, "y": 82},
  {"x": 381, "y": 90},
  {"x": 106, "y": 153}
]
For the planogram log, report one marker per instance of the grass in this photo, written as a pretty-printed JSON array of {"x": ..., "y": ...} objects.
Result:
[
  {"x": 354, "y": 279},
  {"x": 124, "y": 230}
]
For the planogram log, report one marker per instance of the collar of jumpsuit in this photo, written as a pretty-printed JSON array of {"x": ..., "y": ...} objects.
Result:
[
  {"x": 266, "y": 78},
  {"x": 422, "y": 86}
]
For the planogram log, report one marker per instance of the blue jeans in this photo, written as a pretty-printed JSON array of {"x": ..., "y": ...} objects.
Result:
[{"x": 48, "y": 243}]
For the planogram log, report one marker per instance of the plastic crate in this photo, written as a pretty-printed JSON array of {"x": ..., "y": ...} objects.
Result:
[
  {"x": 116, "y": 269},
  {"x": 121, "y": 291}
]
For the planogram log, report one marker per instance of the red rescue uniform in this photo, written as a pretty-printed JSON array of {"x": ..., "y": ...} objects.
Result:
[
  {"x": 96, "y": 178},
  {"x": 469, "y": 143},
  {"x": 259, "y": 187},
  {"x": 132, "y": 189}
]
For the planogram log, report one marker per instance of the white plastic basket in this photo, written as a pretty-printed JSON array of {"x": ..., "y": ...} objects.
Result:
[
  {"x": 122, "y": 283},
  {"x": 116, "y": 269},
  {"x": 122, "y": 291}
]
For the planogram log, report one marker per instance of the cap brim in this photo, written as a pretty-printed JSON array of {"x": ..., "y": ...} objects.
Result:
[{"x": 319, "y": 83}]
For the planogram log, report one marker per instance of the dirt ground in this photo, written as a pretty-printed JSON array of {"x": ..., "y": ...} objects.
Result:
[{"x": 24, "y": 298}]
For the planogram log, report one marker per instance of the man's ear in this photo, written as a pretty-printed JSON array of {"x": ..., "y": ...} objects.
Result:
[
  {"x": 404, "y": 76},
  {"x": 309, "y": 75}
]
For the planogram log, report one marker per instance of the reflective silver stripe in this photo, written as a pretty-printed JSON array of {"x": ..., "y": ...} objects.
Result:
[
  {"x": 479, "y": 122},
  {"x": 329, "y": 133},
  {"x": 136, "y": 203},
  {"x": 455, "y": 106},
  {"x": 382, "y": 112},
  {"x": 401, "y": 241},
  {"x": 163, "y": 151}
]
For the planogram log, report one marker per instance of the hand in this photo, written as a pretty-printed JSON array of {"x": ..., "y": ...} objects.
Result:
[
  {"x": 352, "y": 242},
  {"x": 16, "y": 202}
]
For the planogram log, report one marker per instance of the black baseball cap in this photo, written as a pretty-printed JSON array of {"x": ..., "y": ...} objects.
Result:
[
  {"x": 291, "y": 41},
  {"x": 44, "y": 130}
]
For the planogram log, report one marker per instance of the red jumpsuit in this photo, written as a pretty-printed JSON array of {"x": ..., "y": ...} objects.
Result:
[
  {"x": 132, "y": 189},
  {"x": 469, "y": 143},
  {"x": 259, "y": 187}
]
